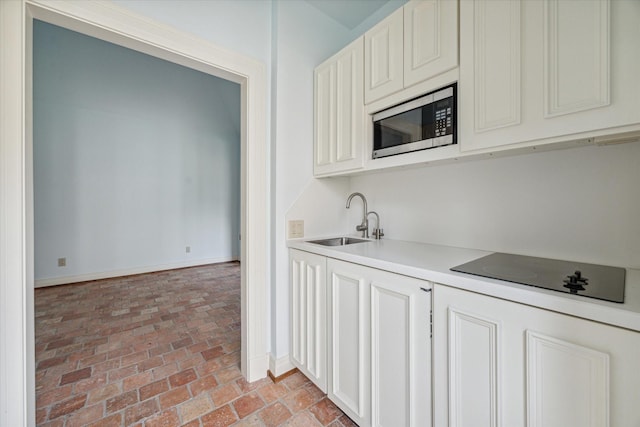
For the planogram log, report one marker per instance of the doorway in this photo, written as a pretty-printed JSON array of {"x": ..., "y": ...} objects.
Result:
[
  {"x": 136, "y": 161},
  {"x": 113, "y": 24}
]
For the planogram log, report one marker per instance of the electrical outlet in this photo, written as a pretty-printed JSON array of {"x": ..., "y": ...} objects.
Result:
[
  {"x": 188, "y": 249},
  {"x": 296, "y": 229},
  {"x": 62, "y": 262}
]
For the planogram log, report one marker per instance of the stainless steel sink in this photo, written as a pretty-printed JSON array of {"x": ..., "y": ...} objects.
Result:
[{"x": 338, "y": 241}]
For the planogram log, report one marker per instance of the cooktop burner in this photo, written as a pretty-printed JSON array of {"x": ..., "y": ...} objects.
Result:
[{"x": 589, "y": 280}]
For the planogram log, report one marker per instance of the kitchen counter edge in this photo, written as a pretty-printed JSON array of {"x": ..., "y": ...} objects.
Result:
[{"x": 432, "y": 263}]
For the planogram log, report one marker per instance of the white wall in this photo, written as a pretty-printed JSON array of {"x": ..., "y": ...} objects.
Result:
[
  {"x": 580, "y": 204},
  {"x": 242, "y": 26},
  {"x": 305, "y": 37},
  {"x": 135, "y": 158}
]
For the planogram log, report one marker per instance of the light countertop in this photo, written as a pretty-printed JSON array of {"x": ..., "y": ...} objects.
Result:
[{"x": 432, "y": 263}]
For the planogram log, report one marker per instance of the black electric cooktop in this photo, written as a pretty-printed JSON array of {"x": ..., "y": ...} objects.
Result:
[{"x": 589, "y": 280}]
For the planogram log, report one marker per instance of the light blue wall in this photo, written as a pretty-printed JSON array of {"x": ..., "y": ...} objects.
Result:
[{"x": 134, "y": 159}]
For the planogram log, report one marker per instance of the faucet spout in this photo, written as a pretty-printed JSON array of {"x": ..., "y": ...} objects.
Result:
[
  {"x": 364, "y": 225},
  {"x": 377, "y": 231}
]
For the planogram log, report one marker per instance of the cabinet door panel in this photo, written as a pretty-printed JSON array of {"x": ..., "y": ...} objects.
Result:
[
  {"x": 576, "y": 56},
  {"x": 383, "y": 57},
  {"x": 474, "y": 370},
  {"x": 308, "y": 316},
  {"x": 391, "y": 365},
  {"x": 348, "y": 386},
  {"x": 477, "y": 361},
  {"x": 584, "y": 386},
  {"x": 400, "y": 351},
  {"x": 298, "y": 315},
  {"x": 324, "y": 115},
  {"x": 430, "y": 39},
  {"x": 496, "y": 64},
  {"x": 349, "y": 107}
]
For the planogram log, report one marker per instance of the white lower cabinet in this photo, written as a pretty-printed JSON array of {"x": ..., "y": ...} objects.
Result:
[
  {"x": 379, "y": 346},
  {"x": 400, "y": 351},
  {"x": 349, "y": 340},
  {"x": 363, "y": 336},
  {"x": 500, "y": 363},
  {"x": 309, "y": 315}
]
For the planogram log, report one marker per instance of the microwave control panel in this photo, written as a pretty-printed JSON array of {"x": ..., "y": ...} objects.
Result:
[{"x": 444, "y": 117}]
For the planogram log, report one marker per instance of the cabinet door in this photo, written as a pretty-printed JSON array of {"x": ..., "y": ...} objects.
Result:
[
  {"x": 468, "y": 365},
  {"x": 430, "y": 39},
  {"x": 339, "y": 112},
  {"x": 400, "y": 351},
  {"x": 490, "y": 64},
  {"x": 309, "y": 315},
  {"x": 349, "y": 340},
  {"x": 503, "y": 363},
  {"x": 349, "y": 107},
  {"x": 324, "y": 117},
  {"x": 383, "y": 56}
]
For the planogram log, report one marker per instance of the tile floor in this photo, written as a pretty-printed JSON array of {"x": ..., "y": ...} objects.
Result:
[{"x": 158, "y": 349}]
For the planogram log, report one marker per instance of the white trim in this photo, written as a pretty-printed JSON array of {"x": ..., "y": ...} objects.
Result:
[
  {"x": 65, "y": 280},
  {"x": 280, "y": 366},
  {"x": 17, "y": 387},
  {"x": 109, "y": 22}
]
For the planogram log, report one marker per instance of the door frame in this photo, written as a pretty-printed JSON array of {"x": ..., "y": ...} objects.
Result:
[{"x": 114, "y": 24}]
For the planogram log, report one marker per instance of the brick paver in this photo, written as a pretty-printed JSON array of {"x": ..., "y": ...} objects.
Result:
[{"x": 158, "y": 349}]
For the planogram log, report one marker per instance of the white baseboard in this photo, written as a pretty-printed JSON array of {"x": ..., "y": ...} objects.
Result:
[
  {"x": 280, "y": 366},
  {"x": 54, "y": 281}
]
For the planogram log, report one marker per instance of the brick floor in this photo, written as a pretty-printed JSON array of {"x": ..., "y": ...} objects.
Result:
[{"x": 159, "y": 349}]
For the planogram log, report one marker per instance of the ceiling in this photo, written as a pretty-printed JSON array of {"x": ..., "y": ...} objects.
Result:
[{"x": 349, "y": 13}]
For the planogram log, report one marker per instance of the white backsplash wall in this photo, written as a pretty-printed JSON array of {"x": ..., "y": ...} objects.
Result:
[
  {"x": 579, "y": 204},
  {"x": 322, "y": 206}
]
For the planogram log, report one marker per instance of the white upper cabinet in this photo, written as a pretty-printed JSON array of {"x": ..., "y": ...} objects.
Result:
[
  {"x": 546, "y": 71},
  {"x": 413, "y": 44},
  {"x": 339, "y": 112},
  {"x": 383, "y": 58},
  {"x": 430, "y": 39}
]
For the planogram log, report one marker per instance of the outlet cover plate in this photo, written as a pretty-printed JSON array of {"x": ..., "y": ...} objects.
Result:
[{"x": 296, "y": 229}]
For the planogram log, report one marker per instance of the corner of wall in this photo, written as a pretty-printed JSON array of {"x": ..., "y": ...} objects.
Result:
[
  {"x": 281, "y": 365},
  {"x": 321, "y": 206}
]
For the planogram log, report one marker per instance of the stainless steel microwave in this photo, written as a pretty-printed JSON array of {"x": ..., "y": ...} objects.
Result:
[{"x": 420, "y": 124}]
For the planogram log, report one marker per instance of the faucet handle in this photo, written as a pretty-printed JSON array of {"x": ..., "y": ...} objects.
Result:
[{"x": 364, "y": 227}]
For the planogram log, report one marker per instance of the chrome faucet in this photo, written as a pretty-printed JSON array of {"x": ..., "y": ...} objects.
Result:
[
  {"x": 377, "y": 231},
  {"x": 364, "y": 226}
]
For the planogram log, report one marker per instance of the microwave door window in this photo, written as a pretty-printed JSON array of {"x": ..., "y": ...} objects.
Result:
[
  {"x": 427, "y": 122},
  {"x": 400, "y": 129}
]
